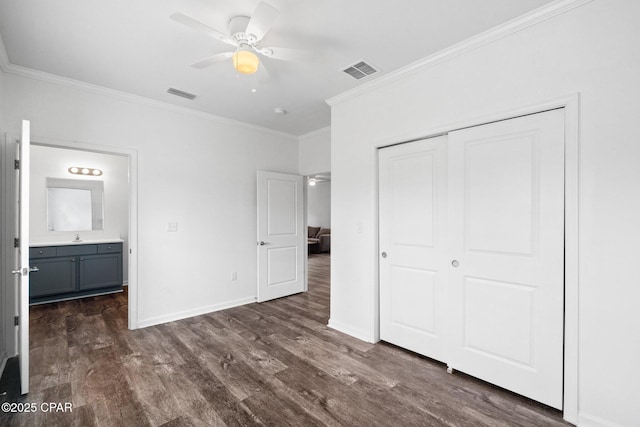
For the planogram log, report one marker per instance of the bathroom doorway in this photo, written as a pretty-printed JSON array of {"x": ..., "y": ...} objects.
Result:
[{"x": 55, "y": 159}]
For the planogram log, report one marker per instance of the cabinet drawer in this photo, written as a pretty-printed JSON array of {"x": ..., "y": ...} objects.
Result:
[
  {"x": 107, "y": 248},
  {"x": 77, "y": 250},
  {"x": 42, "y": 252}
]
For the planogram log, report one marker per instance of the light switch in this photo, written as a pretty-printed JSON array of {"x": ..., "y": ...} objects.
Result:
[{"x": 172, "y": 227}]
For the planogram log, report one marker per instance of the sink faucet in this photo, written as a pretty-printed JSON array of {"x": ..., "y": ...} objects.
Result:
[{"x": 77, "y": 238}]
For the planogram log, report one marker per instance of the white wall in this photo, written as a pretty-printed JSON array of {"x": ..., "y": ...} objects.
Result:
[
  {"x": 6, "y": 343},
  {"x": 319, "y": 205},
  {"x": 592, "y": 50},
  {"x": 193, "y": 169},
  {"x": 50, "y": 162},
  {"x": 315, "y": 152}
]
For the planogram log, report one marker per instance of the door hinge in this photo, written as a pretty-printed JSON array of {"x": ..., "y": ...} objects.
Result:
[
  {"x": 16, "y": 164},
  {"x": 16, "y": 321},
  {"x": 16, "y": 242}
]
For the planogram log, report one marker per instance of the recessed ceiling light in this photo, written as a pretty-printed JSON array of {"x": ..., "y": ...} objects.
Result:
[{"x": 254, "y": 90}]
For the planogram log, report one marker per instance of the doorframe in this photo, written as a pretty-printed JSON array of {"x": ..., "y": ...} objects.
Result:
[
  {"x": 306, "y": 177},
  {"x": 132, "y": 155},
  {"x": 571, "y": 105},
  {"x": 9, "y": 291}
]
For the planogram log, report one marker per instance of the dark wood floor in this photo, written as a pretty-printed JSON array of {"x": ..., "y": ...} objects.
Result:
[{"x": 273, "y": 363}]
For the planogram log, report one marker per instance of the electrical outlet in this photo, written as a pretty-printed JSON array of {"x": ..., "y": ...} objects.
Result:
[
  {"x": 234, "y": 275},
  {"x": 172, "y": 227}
]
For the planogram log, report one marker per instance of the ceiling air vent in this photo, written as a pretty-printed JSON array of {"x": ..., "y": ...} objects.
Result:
[
  {"x": 178, "y": 92},
  {"x": 360, "y": 69}
]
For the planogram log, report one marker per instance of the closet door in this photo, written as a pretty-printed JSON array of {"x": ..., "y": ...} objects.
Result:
[
  {"x": 506, "y": 211},
  {"x": 413, "y": 261}
]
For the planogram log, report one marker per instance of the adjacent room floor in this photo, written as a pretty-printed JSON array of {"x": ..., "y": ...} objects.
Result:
[{"x": 274, "y": 363}]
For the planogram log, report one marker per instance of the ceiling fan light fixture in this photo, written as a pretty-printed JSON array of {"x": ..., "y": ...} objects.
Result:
[{"x": 245, "y": 61}]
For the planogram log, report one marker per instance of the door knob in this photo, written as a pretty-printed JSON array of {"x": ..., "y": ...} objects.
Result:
[
  {"x": 18, "y": 271},
  {"x": 383, "y": 255},
  {"x": 455, "y": 263},
  {"x": 33, "y": 269},
  {"x": 263, "y": 243}
]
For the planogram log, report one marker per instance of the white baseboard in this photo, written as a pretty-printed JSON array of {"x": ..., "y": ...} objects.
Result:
[
  {"x": 586, "y": 420},
  {"x": 349, "y": 330},
  {"x": 192, "y": 313}
]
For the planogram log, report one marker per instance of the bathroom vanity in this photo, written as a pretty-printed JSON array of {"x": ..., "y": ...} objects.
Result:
[{"x": 74, "y": 270}]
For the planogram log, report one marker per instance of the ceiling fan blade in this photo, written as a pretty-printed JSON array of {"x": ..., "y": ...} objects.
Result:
[
  {"x": 199, "y": 26},
  {"x": 207, "y": 62},
  {"x": 287, "y": 54},
  {"x": 263, "y": 74},
  {"x": 262, "y": 19}
]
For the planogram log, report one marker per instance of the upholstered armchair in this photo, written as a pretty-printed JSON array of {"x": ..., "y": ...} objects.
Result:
[
  {"x": 324, "y": 236},
  {"x": 319, "y": 239}
]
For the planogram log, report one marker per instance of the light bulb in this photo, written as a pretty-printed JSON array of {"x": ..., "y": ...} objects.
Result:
[{"x": 245, "y": 61}]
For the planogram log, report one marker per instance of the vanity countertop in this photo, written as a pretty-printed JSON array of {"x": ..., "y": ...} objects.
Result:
[{"x": 72, "y": 242}]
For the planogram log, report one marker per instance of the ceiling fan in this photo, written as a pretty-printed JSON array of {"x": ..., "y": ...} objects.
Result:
[{"x": 245, "y": 33}]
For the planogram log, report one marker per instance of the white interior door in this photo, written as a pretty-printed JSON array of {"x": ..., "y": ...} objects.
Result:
[
  {"x": 413, "y": 245},
  {"x": 281, "y": 235},
  {"x": 506, "y": 294},
  {"x": 22, "y": 269}
]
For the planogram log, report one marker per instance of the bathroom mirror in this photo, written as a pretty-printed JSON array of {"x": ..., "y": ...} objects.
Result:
[{"x": 74, "y": 204}]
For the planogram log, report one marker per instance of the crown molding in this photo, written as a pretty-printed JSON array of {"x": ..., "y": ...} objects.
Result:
[
  {"x": 321, "y": 131},
  {"x": 501, "y": 31},
  {"x": 29, "y": 73}
]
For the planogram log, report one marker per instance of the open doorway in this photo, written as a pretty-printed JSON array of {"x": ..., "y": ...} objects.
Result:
[
  {"x": 120, "y": 203},
  {"x": 318, "y": 209},
  {"x": 55, "y": 328},
  {"x": 98, "y": 293}
]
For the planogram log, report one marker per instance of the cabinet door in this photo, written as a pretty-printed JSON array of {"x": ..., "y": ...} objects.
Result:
[
  {"x": 56, "y": 276},
  {"x": 100, "y": 271}
]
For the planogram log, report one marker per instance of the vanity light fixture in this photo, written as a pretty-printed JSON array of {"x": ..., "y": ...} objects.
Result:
[{"x": 77, "y": 170}]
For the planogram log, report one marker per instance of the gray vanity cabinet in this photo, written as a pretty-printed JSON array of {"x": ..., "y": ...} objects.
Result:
[{"x": 74, "y": 271}]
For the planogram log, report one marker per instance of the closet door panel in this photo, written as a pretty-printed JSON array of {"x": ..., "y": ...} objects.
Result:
[
  {"x": 506, "y": 230},
  {"x": 412, "y": 245}
]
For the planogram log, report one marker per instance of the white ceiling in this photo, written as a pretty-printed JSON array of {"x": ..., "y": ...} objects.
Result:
[{"x": 133, "y": 46}]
